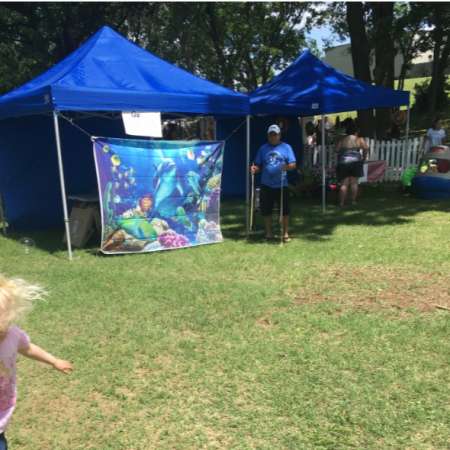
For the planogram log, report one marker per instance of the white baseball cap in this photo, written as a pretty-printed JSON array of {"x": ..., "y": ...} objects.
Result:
[{"x": 274, "y": 129}]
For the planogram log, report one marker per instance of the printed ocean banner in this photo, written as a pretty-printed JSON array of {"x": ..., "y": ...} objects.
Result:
[{"x": 158, "y": 195}]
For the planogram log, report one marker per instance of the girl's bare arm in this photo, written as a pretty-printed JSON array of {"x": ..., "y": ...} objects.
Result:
[{"x": 37, "y": 353}]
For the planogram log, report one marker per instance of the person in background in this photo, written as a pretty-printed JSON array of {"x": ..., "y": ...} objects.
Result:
[
  {"x": 328, "y": 131},
  {"x": 394, "y": 131},
  {"x": 170, "y": 131},
  {"x": 435, "y": 136},
  {"x": 350, "y": 162},
  {"x": 310, "y": 134},
  {"x": 397, "y": 118},
  {"x": 339, "y": 129},
  {"x": 273, "y": 160},
  {"x": 319, "y": 132}
]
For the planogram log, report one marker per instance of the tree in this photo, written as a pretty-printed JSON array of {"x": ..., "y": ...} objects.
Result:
[
  {"x": 438, "y": 18},
  {"x": 240, "y": 45},
  {"x": 360, "y": 57},
  {"x": 34, "y": 36},
  {"x": 409, "y": 34},
  {"x": 382, "y": 20},
  {"x": 379, "y": 29}
]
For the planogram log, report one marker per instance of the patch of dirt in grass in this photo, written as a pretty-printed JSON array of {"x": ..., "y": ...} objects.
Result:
[
  {"x": 378, "y": 287},
  {"x": 103, "y": 405},
  {"x": 59, "y": 412},
  {"x": 264, "y": 322},
  {"x": 126, "y": 392},
  {"x": 189, "y": 334},
  {"x": 144, "y": 368}
]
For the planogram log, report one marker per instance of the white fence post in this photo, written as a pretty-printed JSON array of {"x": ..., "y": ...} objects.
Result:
[{"x": 404, "y": 153}]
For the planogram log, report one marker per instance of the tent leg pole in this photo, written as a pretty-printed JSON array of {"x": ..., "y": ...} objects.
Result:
[
  {"x": 324, "y": 191},
  {"x": 406, "y": 146},
  {"x": 407, "y": 124},
  {"x": 63, "y": 184},
  {"x": 247, "y": 179}
]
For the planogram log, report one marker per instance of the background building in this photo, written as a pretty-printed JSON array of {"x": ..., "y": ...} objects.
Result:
[{"x": 340, "y": 58}]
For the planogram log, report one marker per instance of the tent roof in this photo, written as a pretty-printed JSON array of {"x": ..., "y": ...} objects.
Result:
[
  {"x": 310, "y": 87},
  {"x": 110, "y": 73}
]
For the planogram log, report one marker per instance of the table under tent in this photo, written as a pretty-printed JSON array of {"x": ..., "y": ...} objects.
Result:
[
  {"x": 106, "y": 75},
  {"x": 309, "y": 87}
]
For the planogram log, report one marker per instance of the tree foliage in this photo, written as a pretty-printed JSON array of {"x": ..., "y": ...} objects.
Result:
[
  {"x": 383, "y": 29},
  {"x": 240, "y": 45}
]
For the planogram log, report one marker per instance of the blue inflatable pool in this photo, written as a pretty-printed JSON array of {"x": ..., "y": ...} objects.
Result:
[
  {"x": 431, "y": 187},
  {"x": 432, "y": 181}
]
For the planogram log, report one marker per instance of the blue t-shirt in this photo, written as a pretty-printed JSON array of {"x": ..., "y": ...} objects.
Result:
[{"x": 271, "y": 159}]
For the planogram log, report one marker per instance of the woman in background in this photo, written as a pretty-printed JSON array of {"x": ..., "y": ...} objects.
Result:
[{"x": 350, "y": 162}]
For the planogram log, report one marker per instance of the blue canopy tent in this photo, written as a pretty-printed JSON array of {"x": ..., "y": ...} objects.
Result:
[
  {"x": 311, "y": 87},
  {"x": 110, "y": 73}
]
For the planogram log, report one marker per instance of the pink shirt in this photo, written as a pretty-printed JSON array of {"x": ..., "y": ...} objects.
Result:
[{"x": 14, "y": 340}]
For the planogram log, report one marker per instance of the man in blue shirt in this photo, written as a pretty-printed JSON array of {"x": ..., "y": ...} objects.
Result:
[{"x": 273, "y": 160}]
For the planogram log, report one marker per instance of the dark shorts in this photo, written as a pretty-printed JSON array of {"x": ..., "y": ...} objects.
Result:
[
  {"x": 271, "y": 197},
  {"x": 354, "y": 169}
]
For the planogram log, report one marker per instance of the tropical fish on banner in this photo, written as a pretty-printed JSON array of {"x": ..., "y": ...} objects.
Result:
[{"x": 158, "y": 195}]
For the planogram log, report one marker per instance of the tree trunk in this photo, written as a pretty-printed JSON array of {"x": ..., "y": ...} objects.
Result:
[
  {"x": 440, "y": 62},
  {"x": 360, "y": 58},
  {"x": 216, "y": 38},
  {"x": 407, "y": 53},
  {"x": 402, "y": 76},
  {"x": 439, "y": 85},
  {"x": 384, "y": 58}
]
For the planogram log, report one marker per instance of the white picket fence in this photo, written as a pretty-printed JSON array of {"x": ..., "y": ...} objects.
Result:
[{"x": 398, "y": 154}]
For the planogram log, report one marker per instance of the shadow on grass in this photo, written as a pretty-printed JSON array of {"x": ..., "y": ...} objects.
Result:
[
  {"x": 378, "y": 206},
  {"x": 51, "y": 240}
]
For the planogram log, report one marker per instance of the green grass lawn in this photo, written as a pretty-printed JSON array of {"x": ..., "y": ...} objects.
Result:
[{"x": 332, "y": 341}]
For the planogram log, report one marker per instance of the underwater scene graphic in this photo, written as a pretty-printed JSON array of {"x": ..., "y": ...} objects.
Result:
[{"x": 158, "y": 195}]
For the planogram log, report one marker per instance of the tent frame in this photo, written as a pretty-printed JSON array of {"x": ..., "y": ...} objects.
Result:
[
  {"x": 57, "y": 91},
  {"x": 324, "y": 175},
  {"x": 247, "y": 178},
  {"x": 62, "y": 183}
]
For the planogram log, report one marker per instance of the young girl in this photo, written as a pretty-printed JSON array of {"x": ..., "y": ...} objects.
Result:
[{"x": 16, "y": 298}]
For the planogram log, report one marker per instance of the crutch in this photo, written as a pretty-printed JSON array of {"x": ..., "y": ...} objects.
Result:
[
  {"x": 252, "y": 202},
  {"x": 281, "y": 210}
]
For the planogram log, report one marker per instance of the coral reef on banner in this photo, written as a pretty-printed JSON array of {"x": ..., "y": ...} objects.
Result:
[{"x": 158, "y": 195}]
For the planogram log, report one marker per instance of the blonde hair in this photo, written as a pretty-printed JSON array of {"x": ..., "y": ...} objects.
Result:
[{"x": 16, "y": 299}]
